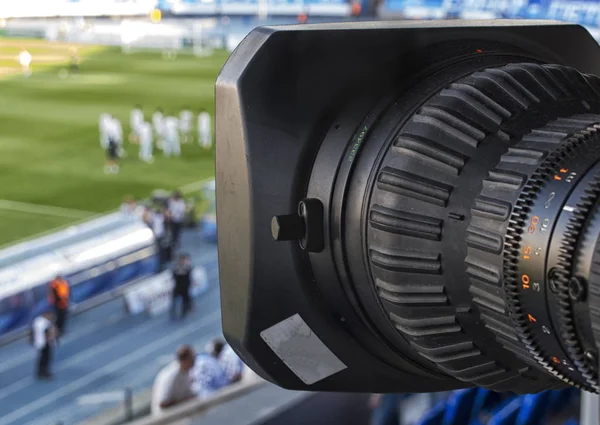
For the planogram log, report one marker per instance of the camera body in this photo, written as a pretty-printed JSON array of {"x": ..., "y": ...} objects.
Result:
[{"x": 293, "y": 107}]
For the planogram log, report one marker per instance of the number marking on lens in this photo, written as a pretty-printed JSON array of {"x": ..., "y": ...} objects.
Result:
[
  {"x": 533, "y": 224},
  {"x": 550, "y": 198},
  {"x": 545, "y": 224},
  {"x": 536, "y": 286},
  {"x": 525, "y": 280},
  {"x": 546, "y": 330}
]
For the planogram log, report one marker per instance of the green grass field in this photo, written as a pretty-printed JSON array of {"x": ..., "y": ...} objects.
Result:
[{"x": 50, "y": 153}]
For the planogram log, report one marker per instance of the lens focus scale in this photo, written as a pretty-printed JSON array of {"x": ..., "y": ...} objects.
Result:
[{"x": 539, "y": 234}]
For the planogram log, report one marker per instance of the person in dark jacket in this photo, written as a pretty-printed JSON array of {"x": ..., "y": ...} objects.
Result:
[{"x": 182, "y": 276}]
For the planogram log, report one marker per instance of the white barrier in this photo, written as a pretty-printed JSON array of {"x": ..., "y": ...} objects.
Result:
[
  {"x": 198, "y": 407},
  {"x": 153, "y": 295},
  {"x": 75, "y": 249}
]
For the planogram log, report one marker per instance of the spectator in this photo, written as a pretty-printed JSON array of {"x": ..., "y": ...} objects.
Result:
[
  {"x": 157, "y": 222},
  {"x": 43, "y": 337},
  {"x": 232, "y": 365},
  {"x": 130, "y": 207},
  {"x": 208, "y": 375},
  {"x": 172, "y": 385},
  {"x": 58, "y": 297},
  {"x": 182, "y": 276},
  {"x": 177, "y": 210}
]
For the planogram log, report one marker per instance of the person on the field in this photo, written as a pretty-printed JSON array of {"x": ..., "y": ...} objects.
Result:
[
  {"x": 158, "y": 122},
  {"x": 204, "y": 130},
  {"x": 113, "y": 148},
  {"x": 185, "y": 124},
  {"x": 104, "y": 126},
  {"x": 115, "y": 130},
  {"x": 25, "y": 59},
  {"x": 136, "y": 119},
  {"x": 74, "y": 61},
  {"x": 145, "y": 133},
  {"x": 172, "y": 145}
]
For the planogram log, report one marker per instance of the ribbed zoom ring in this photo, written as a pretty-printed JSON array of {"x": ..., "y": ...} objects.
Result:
[{"x": 424, "y": 169}]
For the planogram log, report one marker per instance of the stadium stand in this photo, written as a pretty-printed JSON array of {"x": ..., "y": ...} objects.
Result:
[
  {"x": 458, "y": 407},
  {"x": 480, "y": 406},
  {"x": 508, "y": 414},
  {"x": 95, "y": 256},
  {"x": 534, "y": 410},
  {"x": 435, "y": 415}
]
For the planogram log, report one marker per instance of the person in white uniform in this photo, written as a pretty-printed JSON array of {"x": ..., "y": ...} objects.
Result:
[
  {"x": 158, "y": 122},
  {"x": 25, "y": 59},
  {"x": 104, "y": 127},
  {"x": 185, "y": 124},
  {"x": 172, "y": 145},
  {"x": 136, "y": 119},
  {"x": 145, "y": 132},
  {"x": 115, "y": 130},
  {"x": 204, "y": 130}
]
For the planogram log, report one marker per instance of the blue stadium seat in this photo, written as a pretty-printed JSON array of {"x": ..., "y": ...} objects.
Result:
[
  {"x": 559, "y": 399},
  {"x": 458, "y": 407},
  {"x": 484, "y": 402},
  {"x": 507, "y": 415},
  {"x": 535, "y": 409},
  {"x": 572, "y": 421},
  {"x": 434, "y": 416}
]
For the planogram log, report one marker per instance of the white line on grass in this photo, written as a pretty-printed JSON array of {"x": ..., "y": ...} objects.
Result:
[
  {"x": 112, "y": 367},
  {"x": 5, "y": 204},
  {"x": 194, "y": 186}
]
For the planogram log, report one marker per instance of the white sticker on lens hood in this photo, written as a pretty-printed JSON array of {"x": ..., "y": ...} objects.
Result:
[{"x": 301, "y": 350}]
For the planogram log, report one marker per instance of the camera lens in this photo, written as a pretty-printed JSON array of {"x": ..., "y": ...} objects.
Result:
[{"x": 469, "y": 224}]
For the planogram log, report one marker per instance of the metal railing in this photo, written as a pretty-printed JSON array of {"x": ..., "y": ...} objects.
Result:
[{"x": 134, "y": 409}]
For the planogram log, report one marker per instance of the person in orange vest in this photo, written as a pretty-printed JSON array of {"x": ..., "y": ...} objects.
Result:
[{"x": 58, "y": 297}]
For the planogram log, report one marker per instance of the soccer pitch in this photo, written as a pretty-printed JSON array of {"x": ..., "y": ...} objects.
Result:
[{"x": 51, "y": 161}]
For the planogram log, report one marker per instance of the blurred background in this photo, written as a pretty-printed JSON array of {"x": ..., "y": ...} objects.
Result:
[{"x": 106, "y": 180}]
